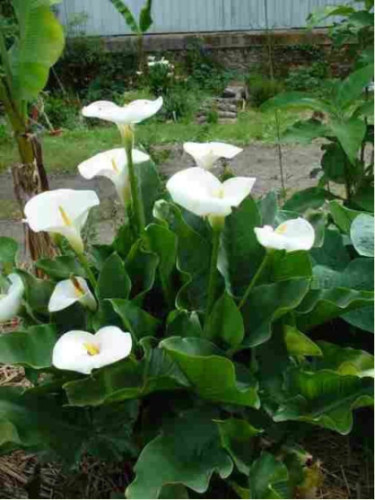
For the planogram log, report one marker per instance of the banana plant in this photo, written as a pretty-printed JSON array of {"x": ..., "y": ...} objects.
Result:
[
  {"x": 139, "y": 27},
  {"x": 25, "y": 65}
]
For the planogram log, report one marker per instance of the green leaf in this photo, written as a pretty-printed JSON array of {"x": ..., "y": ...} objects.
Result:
[
  {"x": 145, "y": 18},
  {"x": 150, "y": 187},
  {"x": 320, "y": 306},
  {"x": 61, "y": 267},
  {"x": 237, "y": 439},
  {"x": 225, "y": 324},
  {"x": 8, "y": 250},
  {"x": 288, "y": 265},
  {"x": 241, "y": 254},
  {"x": 333, "y": 253},
  {"x": 212, "y": 375},
  {"x": 141, "y": 266},
  {"x": 350, "y": 135},
  {"x": 32, "y": 348},
  {"x": 40, "y": 423},
  {"x": 268, "y": 208},
  {"x": 40, "y": 44},
  {"x": 317, "y": 17},
  {"x": 306, "y": 199},
  {"x": 304, "y": 132},
  {"x": 269, "y": 478},
  {"x": 342, "y": 216},
  {"x": 325, "y": 398},
  {"x": 182, "y": 323},
  {"x": 127, "y": 379},
  {"x": 362, "y": 235},
  {"x": 364, "y": 198},
  {"x": 335, "y": 163},
  {"x": 163, "y": 243},
  {"x": 113, "y": 282},
  {"x": 187, "y": 452},
  {"x": 138, "y": 322},
  {"x": 298, "y": 344},
  {"x": 353, "y": 86},
  {"x": 173, "y": 491},
  {"x": 126, "y": 13},
  {"x": 344, "y": 360},
  {"x": 266, "y": 304},
  {"x": 299, "y": 100},
  {"x": 37, "y": 292}
]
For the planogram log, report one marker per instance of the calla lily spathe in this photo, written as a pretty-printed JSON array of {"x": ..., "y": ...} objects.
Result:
[
  {"x": 202, "y": 193},
  {"x": 113, "y": 164},
  {"x": 206, "y": 154},
  {"x": 292, "y": 235},
  {"x": 132, "y": 113},
  {"x": 82, "y": 352},
  {"x": 67, "y": 292},
  {"x": 62, "y": 211},
  {"x": 10, "y": 303}
]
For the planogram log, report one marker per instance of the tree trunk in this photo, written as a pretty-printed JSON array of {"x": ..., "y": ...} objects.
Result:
[{"x": 30, "y": 179}]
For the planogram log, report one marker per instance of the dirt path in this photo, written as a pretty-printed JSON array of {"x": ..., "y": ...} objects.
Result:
[{"x": 258, "y": 160}]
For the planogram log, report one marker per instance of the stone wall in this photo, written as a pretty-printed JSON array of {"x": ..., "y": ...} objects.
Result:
[{"x": 243, "y": 50}]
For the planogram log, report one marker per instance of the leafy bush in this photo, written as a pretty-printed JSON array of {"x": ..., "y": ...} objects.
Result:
[
  {"x": 307, "y": 77},
  {"x": 262, "y": 88},
  {"x": 180, "y": 102},
  {"x": 62, "y": 110}
]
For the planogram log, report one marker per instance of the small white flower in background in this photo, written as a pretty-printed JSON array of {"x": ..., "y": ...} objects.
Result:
[
  {"x": 11, "y": 301},
  {"x": 83, "y": 352},
  {"x": 206, "y": 154},
  {"x": 292, "y": 235},
  {"x": 161, "y": 62},
  {"x": 113, "y": 164},
  {"x": 132, "y": 113},
  {"x": 62, "y": 211},
  {"x": 67, "y": 292},
  {"x": 203, "y": 194}
]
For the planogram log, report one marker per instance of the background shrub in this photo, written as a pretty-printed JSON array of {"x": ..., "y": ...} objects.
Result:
[{"x": 262, "y": 88}]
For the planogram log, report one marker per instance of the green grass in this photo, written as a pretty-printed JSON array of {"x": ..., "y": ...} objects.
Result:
[{"x": 63, "y": 153}]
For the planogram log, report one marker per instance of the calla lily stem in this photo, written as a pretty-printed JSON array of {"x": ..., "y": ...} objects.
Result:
[
  {"x": 212, "y": 280},
  {"x": 254, "y": 281},
  {"x": 86, "y": 266},
  {"x": 138, "y": 210}
]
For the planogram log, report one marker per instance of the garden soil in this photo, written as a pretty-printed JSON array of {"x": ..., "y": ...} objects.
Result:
[{"x": 257, "y": 160}]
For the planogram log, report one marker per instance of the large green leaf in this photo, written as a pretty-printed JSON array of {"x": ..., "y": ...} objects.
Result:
[
  {"x": 362, "y": 235},
  {"x": 213, "y": 376},
  {"x": 288, "y": 265},
  {"x": 8, "y": 250},
  {"x": 317, "y": 17},
  {"x": 127, "y": 379},
  {"x": 187, "y": 452},
  {"x": 145, "y": 18},
  {"x": 138, "y": 322},
  {"x": 40, "y": 43},
  {"x": 305, "y": 132},
  {"x": 37, "y": 291},
  {"x": 141, "y": 265},
  {"x": 269, "y": 478},
  {"x": 333, "y": 252},
  {"x": 344, "y": 360},
  {"x": 350, "y": 135},
  {"x": 113, "y": 282},
  {"x": 266, "y": 304},
  {"x": 353, "y": 86},
  {"x": 335, "y": 163},
  {"x": 298, "y": 344},
  {"x": 237, "y": 437},
  {"x": 150, "y": 187},
  {"x": 342, "y": 216},
  {"x": 182, "y": 323},
  {"x": 31, "y": 348},
  {"x": 268, "y": 208},
  {"x": 40, "y": 423},
  {"x": 61, "y": 267},
  {"x": 225, "y": 324},
  {"x": 126, "y": 13},
  {"x": 321, "y": 306},
  {"x": 299, "y": 100},
  {"x": 241, "y": 254},
  {"x": 307, "y": 199},
  {"x": 325, "y": 398}
]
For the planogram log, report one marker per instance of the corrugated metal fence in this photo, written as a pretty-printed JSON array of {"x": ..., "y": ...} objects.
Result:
[{"x": 99, "y": 17}]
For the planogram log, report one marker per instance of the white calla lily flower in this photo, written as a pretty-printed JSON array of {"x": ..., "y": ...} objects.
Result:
[
  {"x": 132, "y": 113},
  {"x": 82, "y": 352},
  {"x": 113, "y": 164},
  {"x": 10, "y": 302},
  {"x": 67, "y": 292},
  {"x": 292, "y": 235},
  {"x": 206, "y": 154},
  {"x": 202, "y": 193},
  {"x": 62, "y": 211}
]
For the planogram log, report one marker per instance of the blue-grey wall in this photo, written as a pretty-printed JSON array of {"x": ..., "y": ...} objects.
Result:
[{"x": 176, "y": 16}]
